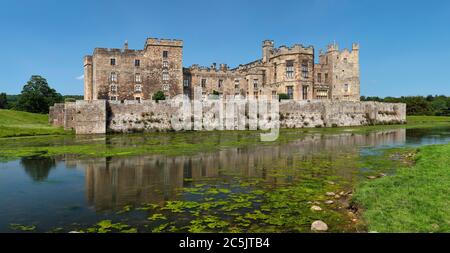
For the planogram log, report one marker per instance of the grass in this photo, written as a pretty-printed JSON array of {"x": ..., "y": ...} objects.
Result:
[
  {"x": 427, "y": 119},
  {"x": 16, "y": 123},
  {"x": 414, "y": 199}
]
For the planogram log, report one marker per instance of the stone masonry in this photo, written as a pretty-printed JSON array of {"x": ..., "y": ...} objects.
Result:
[
  {"x": 102, "y": 116},
  {"x": 125, "y": 74},
  {"x": 119, "y": 85}
]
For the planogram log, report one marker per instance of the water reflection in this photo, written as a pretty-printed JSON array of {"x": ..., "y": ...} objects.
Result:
[
  {"x": 38, "y": 168},
  {"x": 114, "y": 182}
]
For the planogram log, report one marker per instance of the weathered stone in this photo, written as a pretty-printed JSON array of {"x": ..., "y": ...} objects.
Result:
[
  {"x": 316, "y": 208},
  {"x": 330, "y": 194},
  {"x": 329, "y": 202},
  {"x": 319, "y": 226}
]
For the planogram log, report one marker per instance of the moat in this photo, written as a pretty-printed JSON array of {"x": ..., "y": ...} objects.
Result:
[{"x": 250, "y": 188}]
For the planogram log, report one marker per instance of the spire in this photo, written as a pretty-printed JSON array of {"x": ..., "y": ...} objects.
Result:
[{"x": 125, "y": 46}]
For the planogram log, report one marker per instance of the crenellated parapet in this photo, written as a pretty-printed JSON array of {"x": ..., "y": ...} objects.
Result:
[
  {"x": 163, "y": 42},
  {"x": 295, "y": 49}
]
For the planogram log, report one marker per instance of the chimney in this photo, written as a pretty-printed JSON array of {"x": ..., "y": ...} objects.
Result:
[{"x": 213, "y": 66}]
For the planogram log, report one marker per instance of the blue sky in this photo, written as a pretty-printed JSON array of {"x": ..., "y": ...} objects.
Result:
[{"x": 405, "y": 45}]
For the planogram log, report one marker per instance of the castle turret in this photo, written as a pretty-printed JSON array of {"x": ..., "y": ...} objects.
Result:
[
  {"x": 88, "y": 78},
  {"x": 267, "y": 48}
]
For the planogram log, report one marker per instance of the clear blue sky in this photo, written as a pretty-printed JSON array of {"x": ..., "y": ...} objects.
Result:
[{"x": 405, "y": 45}]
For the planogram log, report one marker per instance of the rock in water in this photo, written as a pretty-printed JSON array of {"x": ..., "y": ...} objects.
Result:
[
  {"x": 319, "y": 226},
  {"x": 316, "y": 208}
]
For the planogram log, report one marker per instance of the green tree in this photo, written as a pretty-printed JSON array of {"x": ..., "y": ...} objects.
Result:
[
  {"x": 37, "y": 96},
  {"x": 3, "y": 101},
  {"x": 159, "y": 95}
]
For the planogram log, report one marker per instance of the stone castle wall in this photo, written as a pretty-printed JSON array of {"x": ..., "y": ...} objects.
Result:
[{"x": 101, "y": 116}]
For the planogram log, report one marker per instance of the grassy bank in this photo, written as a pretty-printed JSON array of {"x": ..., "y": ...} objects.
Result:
[
  {"x": 17, "y": 123},
  {"x": 414, "y": 199}
]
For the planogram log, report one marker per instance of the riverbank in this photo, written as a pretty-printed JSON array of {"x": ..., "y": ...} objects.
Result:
[
  {"x": 17, "y": 123},
  {"x": 414, "y": 199},
  {"x": 60, "y": 142}
]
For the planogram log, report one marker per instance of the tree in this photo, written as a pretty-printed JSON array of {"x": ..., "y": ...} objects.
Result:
[
  {"x": 159, "y": 95},
  {"x": 3, "y": 101},
  {"x": 37, "y": 96}
]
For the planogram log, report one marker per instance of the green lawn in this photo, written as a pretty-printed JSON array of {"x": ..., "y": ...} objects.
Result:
[
  {"x": 425, "y": 119},
  {"x": 414, "y": 199},
  {"x": 16, "y": 123}
]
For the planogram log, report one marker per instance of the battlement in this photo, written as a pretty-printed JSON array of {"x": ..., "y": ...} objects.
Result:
[
  {"x": 112, "y": 51},
  {"x": 249, "y": 65},
  {"x": 163, "y": 42},
  {"x": 295, "y": 49},
  {"x": 268, "y": 43},
  {"x": 213, "y": 68},
  {"x": 335, "y": 48}
]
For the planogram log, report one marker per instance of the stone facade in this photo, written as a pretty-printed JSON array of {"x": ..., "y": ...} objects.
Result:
[
  {"x": 102, "y": 116},
  {"x": 124, "y": 74},
  {"x": 119, "y": 85}
]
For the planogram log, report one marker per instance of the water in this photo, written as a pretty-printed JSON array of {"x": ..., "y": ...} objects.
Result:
[{"x": 67, "y": 193}]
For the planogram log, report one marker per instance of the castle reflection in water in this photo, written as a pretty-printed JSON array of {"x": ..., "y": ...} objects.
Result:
[{"x": 112, "y": 183}]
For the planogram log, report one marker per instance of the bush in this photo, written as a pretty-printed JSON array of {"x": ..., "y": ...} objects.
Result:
[
  {"x": 159, "y": 95},
  {"x": 282, "y": 96}
]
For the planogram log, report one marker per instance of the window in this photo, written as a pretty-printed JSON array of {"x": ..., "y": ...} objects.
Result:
[
  {"x": 113, "y": 61},
  {"x": 255, "y": 94},
  {"x": 113, "y": 77},
  {"x": 236, "y": 84},
  {"x": 345, "y": 60},
  {"x": 137, "y": 78},
  {"x": 322, "y": 94},
  {"x": 220, "y": 83},
  {"x": 165, "y": 87},
  {"x": 165, "y": 64},
  {"x": 290, "y": 69},
  {"x": 113, "y": 98},
  {"x": 326, "y": 78},
  {"x": 165, "y": 76},
  {"x": 305, "y": 92},
  {"x": 203, "y": 83},
  {"x": 274, "y": 93},
  {"x": 305, "y": 72},
  {"x": 138, "y": 99},
  {"x": 137, "y": 63},
  {"x": 275, "y": 72},
  {"x": 113, "y": 88},
  {"x": 319, "y": 77},
  {"x": 165, "y": 54},
  {"x": 346, "y": 88},
  {"x": 290, "y": 91},
  {"x": 186, "y": 82},
  {"x": 255, "y": 83},
  {"x": 138, "y": 88}
]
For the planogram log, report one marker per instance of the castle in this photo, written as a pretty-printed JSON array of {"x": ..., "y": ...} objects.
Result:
[
  {"x": 125, "y": 74},
  {"x": 119, "y": 85}
]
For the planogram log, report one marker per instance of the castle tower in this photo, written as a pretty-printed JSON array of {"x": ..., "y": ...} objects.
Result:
[
  {"x": 343, "y": 72},
  {"x": 167, "y": 58},
  {"x": 88, "y": 78},
  {"x": 267, "y": 48}
]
